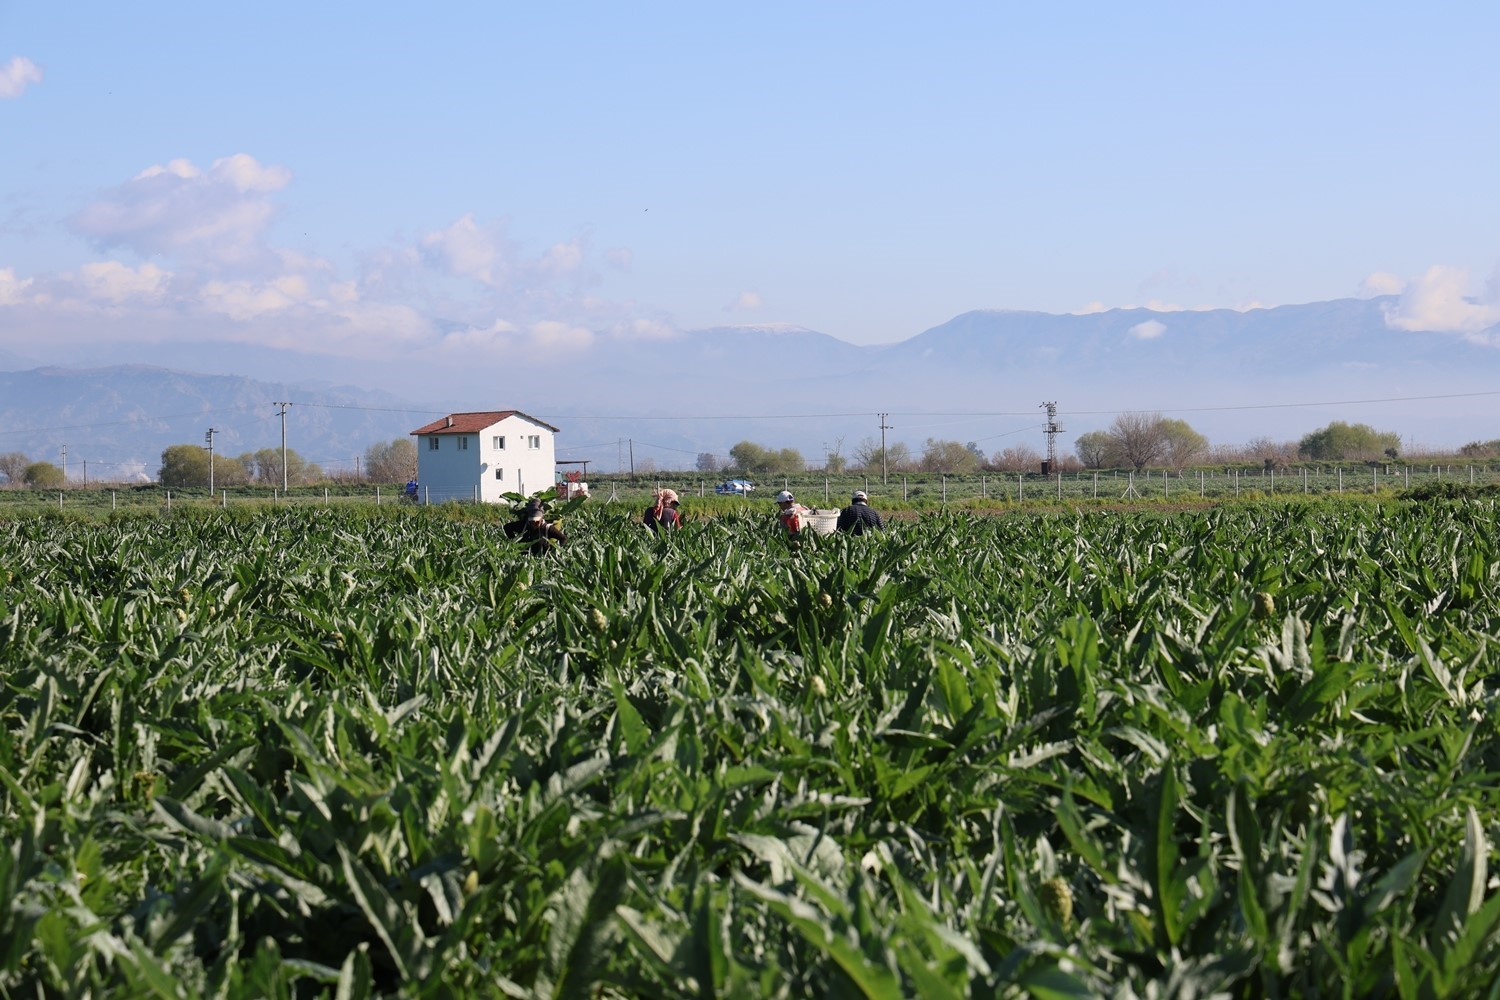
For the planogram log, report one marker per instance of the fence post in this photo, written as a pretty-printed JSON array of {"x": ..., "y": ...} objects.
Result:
[
  {"x": 1096, "y": 485},
  {"x": 223, "y": 498},
  {"x": 825, "y": 487},
  {"x": 983, "y": 489},
  {"x": 111, "y": 499},
  {"x": 1340, "y": 471},
  {"x": 1059, "y": 486},
  {"x": 1020, "y": 488},
  {"x": 169, "y": 499},
  {"x": 945, "y": 487}
]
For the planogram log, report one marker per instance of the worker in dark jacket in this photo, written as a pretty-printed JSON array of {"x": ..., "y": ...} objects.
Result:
[
  {"x": 859, "y": 515},
  {"x": 534, "y": 530}
]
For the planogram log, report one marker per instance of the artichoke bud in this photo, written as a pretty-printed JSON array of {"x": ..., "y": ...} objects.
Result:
[{"x": 1057, "y": 900}]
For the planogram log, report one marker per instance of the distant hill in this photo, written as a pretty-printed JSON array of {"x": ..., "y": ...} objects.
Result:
[
  {"x": 120, "y": 419},
  {"x": 1233, "y": 375}
]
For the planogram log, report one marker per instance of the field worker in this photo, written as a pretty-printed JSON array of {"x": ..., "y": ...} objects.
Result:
[
  {"x": 663, "y": 511},
  {"x": 792, "y": 514},
  {"x": 534, "y": 530},
  {"x": 859, "y": 515},
  {"x": 411, "y": 490}
]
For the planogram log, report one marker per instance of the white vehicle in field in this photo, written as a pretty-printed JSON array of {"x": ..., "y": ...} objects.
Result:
[{"x": 735, "y": 487}]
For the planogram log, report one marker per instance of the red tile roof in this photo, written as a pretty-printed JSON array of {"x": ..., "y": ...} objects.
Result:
[{"x": 473, "y": 423}]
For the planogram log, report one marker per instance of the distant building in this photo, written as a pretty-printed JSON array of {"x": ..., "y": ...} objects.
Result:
[{"x": 479, "y": 456}]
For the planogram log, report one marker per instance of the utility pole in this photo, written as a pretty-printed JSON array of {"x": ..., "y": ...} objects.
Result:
[
  {"x": 632, "y": 460},
  {"x": 65, "y": 464},
  {"x": 883, "y": 428},
  {"x": 209, "y": 437},
  {"x": 283, "y": 443}
]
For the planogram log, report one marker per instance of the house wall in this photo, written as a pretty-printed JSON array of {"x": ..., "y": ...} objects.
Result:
[
  {"x": 452, "y": 471},
  {"x": 523, "y": 469}
]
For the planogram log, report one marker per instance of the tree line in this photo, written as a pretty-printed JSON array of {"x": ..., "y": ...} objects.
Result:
[
  {"x": 1136, "y": 440},
  {"x": 185, "y": 466},
  {"x": 1133, "y": 440}
]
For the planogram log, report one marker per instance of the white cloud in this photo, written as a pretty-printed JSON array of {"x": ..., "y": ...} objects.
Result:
[
  {"x": 113, "y": 282},
  {"x": 17, "y": 75},
  {"x": 503, "y": 339},
  {"x": 1091, "y": 308},
  {"x": 216, "y": 217},
  {"x": 645, "y": 329},
  {"x": 12, "y": 289},
  {"x": 553, "y": 335},
  {"x": 563, "y": 258},
  {"x": 747, "y": 302},
  {"x": 1438, "y": 301},
  {"x": 466, "y": 250},
  {"x": 1149, "y": 330},
  {"x": 247, "y": 174},
  {"x": 620, "y": 259},
  {"x": 1380, "y": 283},
  {"x": 245, "y": 300}
]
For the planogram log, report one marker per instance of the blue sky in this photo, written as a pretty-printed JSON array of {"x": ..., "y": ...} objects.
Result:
[{"x": 376, "y": 180}]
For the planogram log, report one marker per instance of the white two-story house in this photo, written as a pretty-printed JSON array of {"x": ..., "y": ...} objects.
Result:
[{"x": 479, "y": 456}]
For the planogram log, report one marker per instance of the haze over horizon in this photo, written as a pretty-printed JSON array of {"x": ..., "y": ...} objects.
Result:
[{"x": 480, "y": 187}]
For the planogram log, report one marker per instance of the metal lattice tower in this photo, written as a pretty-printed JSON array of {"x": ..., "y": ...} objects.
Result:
[{"x": 1051, "y": 429}]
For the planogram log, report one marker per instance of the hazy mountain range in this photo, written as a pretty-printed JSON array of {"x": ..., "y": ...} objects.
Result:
[{"x": 979, "y": 377}]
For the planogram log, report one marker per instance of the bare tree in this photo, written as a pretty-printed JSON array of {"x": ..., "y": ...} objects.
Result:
[
  {"x": 1139, "y": 438},
  {"x": 1016, "y": 458},
  {"x": 395, "y": 462},
  {"x": 12, "y": 464}
]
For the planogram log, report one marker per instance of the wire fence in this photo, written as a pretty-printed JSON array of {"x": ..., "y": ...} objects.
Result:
[{"x": 820, "y": 490}]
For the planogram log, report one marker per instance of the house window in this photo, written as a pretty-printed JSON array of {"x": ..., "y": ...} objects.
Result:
[
  {"x": 534, "y": 441},
  {"x": 463, "y": 442},
  {"x": 498, "y": 442},
  {"x": 432, "y": 443},
  {"x": 499, "y": 473}
]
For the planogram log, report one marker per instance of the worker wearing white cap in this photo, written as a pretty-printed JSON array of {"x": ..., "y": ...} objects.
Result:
[
  {"x": 859, "y": 516},
  {"x": 792, "y": 514}
]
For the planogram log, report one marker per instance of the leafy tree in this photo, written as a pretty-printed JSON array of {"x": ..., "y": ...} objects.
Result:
[
  {"x": 1183, "y": 444},
  {"x": 1339, "y": 441},
  {"x": 748, "y": 456},
  {"x": 948, "y": 456},
  {"x": 1093, "y": 448},
  {"x": 391, "y": 463},
  {"x": 751, "y": 457},
  {"x": 12, "y": 465},
  {"x": 43, "y": 476},
  {"x": 708, "y": 462},
  {"x": 184, "y": 465}
]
